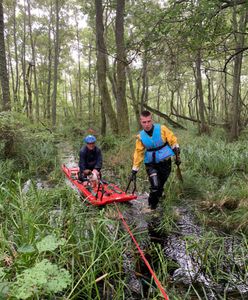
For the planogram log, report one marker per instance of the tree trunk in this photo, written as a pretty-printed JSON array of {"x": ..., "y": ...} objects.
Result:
[
  {"x": 101, "y": 68},
  {"x": 172, "y": 107},
  {"x": 203, "y": 126},
  {"x": 16, "y": 83},
  {"x": 122, "y": 110},
  {"x": 28, "y": 80},
  {"x": 49, "y": 76},
  {"x": 103, "y": 121},
  {"x": 158, "y": 97},
  {"x": 144, "y": 82},
  {"x": 3, "y": 66},
  {"x": 25, "y": 101},
  {"x": 209, "y": 107},
  {"x": 89, "y": 85},
  {"x": 134, "y": 100},
  {"x": 235, "y": 103},
  {"x": 94, "y": 95},
  {"x": 111, "y": 77},
  {"x": 37, "y": 112},
  {"x": 79, "y": 75},
  {"x": 197, "y": 110},
  {"x": 225, "y": 112},
  {"x": 74, "y": 106},
  {"x": 65, "y": 104},
  {"x": 56, "y": 64},
  {"x": 10, "y": 66}
]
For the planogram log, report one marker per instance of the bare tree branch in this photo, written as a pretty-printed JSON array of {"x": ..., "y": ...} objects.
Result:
[
  {"x": 195, "y": 120},
  {"x": 232, "y": 56},
  {"x": 164, "y": 116},
  {"x": 226, "y": 3}
]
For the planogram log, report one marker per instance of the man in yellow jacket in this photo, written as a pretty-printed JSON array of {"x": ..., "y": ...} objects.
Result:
[{"x": 155, "y": 144}]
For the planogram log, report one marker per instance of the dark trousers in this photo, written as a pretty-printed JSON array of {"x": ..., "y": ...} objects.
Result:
[{"x": 158, "y": 175}]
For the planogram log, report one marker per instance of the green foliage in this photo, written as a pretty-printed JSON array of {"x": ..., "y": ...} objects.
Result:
[
  {"x": 10, "y": 126},
  {"x": 110, "y": 142},
  {"x": 24, "y": 147},
  {"x": 73, "y": 129},
  {"x": 54, "y": 225},
  {"x": 217, "y": 158},
  {"x": 44, "y": 278},
  {"x": 215, "y": 173},
  {"x": 4, "y": 289},
  {"x": 215, "y": 260},
  {"x": 26, "y": 249},
  {"x": 49, "y": 243},
  {"x": 2, "y": 273},
  {"x": 8, "y": 169},
  {"x": 238, "y": 219},
  {"x": 118, "y": 159}
]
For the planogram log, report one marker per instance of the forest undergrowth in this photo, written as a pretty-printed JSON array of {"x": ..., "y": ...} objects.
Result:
[{"x": 77, "y": 250}]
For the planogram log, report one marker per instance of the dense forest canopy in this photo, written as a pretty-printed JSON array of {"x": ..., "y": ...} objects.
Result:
[{"x": 101, "y": 62}]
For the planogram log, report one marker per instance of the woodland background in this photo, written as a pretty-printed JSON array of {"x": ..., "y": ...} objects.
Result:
[
  {"x": 68, "y": 68},
  {"x": 100, "y": 63}
]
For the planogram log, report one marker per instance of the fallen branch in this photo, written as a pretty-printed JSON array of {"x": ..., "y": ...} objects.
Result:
[
  {"x": 164, "y": 116},
  {"x": 195, "y": 120},
  {"x": 185, "y": 118}
]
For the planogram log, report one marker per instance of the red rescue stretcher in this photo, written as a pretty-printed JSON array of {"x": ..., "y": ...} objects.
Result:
[{"x": 101, "y": 194}]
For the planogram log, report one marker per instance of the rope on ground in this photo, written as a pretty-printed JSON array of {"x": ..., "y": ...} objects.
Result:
[{"x": 158, "y": 283}]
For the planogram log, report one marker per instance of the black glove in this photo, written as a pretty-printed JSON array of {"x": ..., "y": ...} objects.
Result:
[
  {"x": 80, "y": 176},
  {"x": 133, "y": 175},
  {"x": 177, "y": 153}
]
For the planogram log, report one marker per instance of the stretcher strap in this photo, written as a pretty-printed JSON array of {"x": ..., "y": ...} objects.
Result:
[{"x": 159, "y": 285}]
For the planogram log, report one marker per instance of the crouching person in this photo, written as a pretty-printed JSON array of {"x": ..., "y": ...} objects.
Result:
[{"x": 90, "y": 159}]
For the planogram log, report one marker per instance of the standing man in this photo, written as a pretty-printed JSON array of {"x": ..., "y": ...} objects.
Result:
[
  {"x": 90, "y": 158},
  {"x": 155, "y": 144}
]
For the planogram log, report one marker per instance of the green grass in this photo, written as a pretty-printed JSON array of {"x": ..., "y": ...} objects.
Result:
[
  {"x": 50, "y": 231},
  {"x": 54, "y": 226}
]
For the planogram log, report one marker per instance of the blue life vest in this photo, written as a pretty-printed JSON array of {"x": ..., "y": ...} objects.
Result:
[{"x": 156, "y": 149}]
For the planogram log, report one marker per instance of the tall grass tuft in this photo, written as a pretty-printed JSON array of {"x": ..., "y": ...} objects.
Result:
[
  {"x": 51, "y": 232},
  {"x": 215, "y": 174}
]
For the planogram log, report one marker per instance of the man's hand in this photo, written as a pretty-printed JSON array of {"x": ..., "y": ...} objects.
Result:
[
  {"x": 80, "y": 176},
  {"x": 96, "y": 173},
  {"x": 133, "y": 175},
  {"x": 87, "y": 172}
]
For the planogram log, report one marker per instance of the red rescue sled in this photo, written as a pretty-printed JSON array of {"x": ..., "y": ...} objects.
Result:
[{"x": 103, "y": 193}]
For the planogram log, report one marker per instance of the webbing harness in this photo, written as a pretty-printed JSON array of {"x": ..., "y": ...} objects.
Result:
[{"x": 157, "y": 148}]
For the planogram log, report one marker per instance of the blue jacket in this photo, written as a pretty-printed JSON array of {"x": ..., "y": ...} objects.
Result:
[{"x": 156, "y": 149}]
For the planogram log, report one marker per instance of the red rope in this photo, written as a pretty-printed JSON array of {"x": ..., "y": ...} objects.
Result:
[{"x": 159, "y": 285}]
